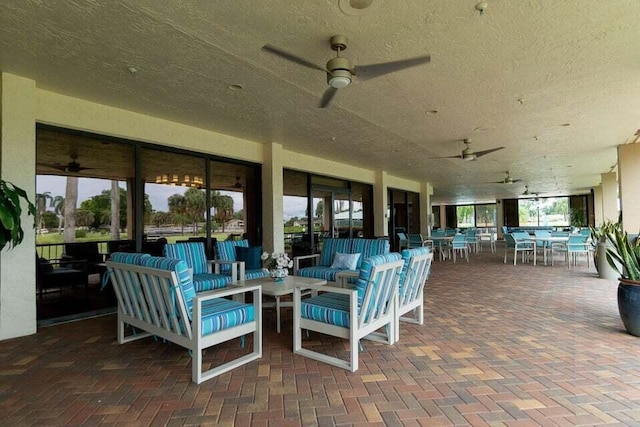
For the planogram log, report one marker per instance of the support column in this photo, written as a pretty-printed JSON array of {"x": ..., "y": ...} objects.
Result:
[
  {"x": 17, "y": 165},
  {"x": 499, "y": 219},
  {"x": 597, "y": 206},
  {"x": 610, "y": 196},
  {"x": 380, "y": 202},
  {"x": 272, "y": 199},
  {"x": 443, "y": 217},
  {"x": 628, "y": 161},
  {"x": 426, "y": 217}
]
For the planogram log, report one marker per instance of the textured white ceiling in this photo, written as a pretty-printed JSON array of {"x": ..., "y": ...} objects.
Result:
[{"x": 510, "y": 77}]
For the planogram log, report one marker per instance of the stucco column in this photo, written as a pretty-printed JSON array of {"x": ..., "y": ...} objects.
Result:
[
  {"x": 426, "y": 218},
  {"x": 17, "y": 165},
  {"x": 272, "y": 199},
  {"x": 609, "y": 196},
  {"x": 597, "y": 205},
  {"x": 629, "y": 170},
  {"x": 380, "y": 202},
  {"x": 443, "y": 217}
]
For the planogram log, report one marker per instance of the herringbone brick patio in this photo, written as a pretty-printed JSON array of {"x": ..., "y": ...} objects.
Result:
[{"x": 502, "y": 346}]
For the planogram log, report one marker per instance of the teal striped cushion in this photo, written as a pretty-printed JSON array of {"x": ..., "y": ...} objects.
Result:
[
  {"x": 182, "y": 273},
  {"x": 128, "y": 258},
  {"x": 255, "y": 274},
  {"x": 190, "y": 252},
  {"x": 227, "y": 252},
  {"x": 221, "y": 313},
  {"x": 327, "y": 308},
  {"x": 369, "y": 248},
  {"x": 330, "y": 247},
  {"x": 319, "y": 272},
  {"x": 209, "y": 281},
  {"x": 407, "y": 254},
  {"x": 365, "y": 279}
]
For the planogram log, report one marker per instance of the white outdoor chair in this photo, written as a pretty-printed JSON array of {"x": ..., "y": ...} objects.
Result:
[
  {"x": 417, "y": 266},
  {"x": 368, "y": 311}
]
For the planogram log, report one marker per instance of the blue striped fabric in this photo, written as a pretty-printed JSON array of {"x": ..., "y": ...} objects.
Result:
[
  {"x": 208, "y": 281},
  {"x": 191, "y": 252},
  {"x": 406, "y": 256},
  {"x": 318, "y": 272},
  {"x": 327, "y": 308},
  {"x": 128, "y": 258},
  {"x": 365, "y": 279},
  {"x": 227, "y": 252},
  {"x": 182, "y": 273},
  {"x": 332, "y": 246},
  {"x": 369, "y": 248},
  {"x": 221, "y": 313}
]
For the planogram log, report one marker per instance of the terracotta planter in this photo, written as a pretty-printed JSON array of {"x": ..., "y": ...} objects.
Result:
[{"x": 629, "y": 305}]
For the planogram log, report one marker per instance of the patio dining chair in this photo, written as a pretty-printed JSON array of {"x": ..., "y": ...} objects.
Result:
[
  {"x": 459, "y": 246},
  {"x": 517, "y": 244},
  {"x": 576, "y": 245},
  {"x": 403, "y": 241}
]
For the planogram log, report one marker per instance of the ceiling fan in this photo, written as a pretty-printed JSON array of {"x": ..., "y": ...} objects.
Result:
[
  {"x": 507, "y": 180},
  {"x": 72, "y": 167},
  {"x": 237, "y": 186},
  {"x": 341, "y": 72},
  {"x": 527, "y": 193},
  {"x": 468, "y": 153}
]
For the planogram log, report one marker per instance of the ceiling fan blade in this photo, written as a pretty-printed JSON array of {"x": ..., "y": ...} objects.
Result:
[
  {"x": 447, "y": 157},
  {"x": 485, "y": 152},
  {"x": 327, "y": 96},
  {"x": 291, "y": 57},
  {"x": 54, "y": 166},
  {"x": 368, "y": 72}
]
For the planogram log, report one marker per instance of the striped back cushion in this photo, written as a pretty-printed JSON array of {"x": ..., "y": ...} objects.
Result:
[
  {"x": 365, "y": 279},
  {"x": 181, "y": 270},
  {"x": 128, "y": 258},
  {"x": 190, "y": 252},
  {"x": 369, "y": 248},
  {"x": 407, "y": 254},
  {"x": 332, "y": 246},
  {"x": 227, "y": 252}
]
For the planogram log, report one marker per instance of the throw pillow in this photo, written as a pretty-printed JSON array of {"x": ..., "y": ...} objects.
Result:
[
  {"x": 250, "y": 255},
  {"x": 345, "y": 261}
]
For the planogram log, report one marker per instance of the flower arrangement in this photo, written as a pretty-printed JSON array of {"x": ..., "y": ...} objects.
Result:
[{"x": 276, "y": 260}]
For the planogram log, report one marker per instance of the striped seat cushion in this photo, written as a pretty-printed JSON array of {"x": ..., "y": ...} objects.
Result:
[
  {"x": 208, "y": 282},
  {"x": 191, "y": 252},
  {"x": 319, "y": 272},
  {"x": 327, "y": 308},
  {"x": 221, "y": 313},
  {"x": 256, "y": 274}
]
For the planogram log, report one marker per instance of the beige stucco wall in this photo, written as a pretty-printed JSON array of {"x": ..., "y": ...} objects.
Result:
[{"x": 17, "y": 165}]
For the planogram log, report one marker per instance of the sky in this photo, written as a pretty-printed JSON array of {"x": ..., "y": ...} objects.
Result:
[{"x": 89, "y": 187}]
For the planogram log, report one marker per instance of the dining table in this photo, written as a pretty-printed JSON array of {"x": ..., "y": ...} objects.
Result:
[
  {"x": 547, "y": 245},
  {"x": 441, "y": 243}
]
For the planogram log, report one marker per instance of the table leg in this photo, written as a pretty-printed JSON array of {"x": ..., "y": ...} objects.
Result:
[{"x": 278, "y": 313}]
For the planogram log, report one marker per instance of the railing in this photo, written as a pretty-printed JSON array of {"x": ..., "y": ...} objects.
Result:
[{"x": 56, "y": 250}]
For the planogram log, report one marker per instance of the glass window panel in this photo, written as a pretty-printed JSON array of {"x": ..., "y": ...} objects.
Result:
[{"x": 466, "y": 216}]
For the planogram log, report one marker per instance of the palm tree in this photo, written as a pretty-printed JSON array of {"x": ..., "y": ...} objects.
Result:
[
  {"x": 115, "y": 210},
  {"x": 41, "y": 207},
  {"x": 223, "y": 205},
  {"x": 195, "y": 206},
  {"x": 178, "y": 208},
  {"x": 58, "y": 208},
  {"x": 71, "y": 199}
]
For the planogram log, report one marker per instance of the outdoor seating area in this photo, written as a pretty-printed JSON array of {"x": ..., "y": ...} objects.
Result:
[{"x": 552, "y": 376}]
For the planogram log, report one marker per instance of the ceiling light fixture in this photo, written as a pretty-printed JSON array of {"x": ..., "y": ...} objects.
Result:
[
  {"x": 339, "y": 79},
  {"x": 186, "y": 181},
  {"x": 132, "y": 69}
]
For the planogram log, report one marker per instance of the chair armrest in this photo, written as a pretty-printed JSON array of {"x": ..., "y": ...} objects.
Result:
[
  {"x": 326, "y": 288},
  {"x": 225, "y": 292},
  {"x": 296, "y": 261},
  {"x": 237, "y": 268}
]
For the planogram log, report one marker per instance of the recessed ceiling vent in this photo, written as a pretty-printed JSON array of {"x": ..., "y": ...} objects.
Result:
[{"x": 358, "y": 7}]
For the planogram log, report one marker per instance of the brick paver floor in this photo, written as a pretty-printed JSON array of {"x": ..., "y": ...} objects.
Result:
[{"x": 502, "y": 346}]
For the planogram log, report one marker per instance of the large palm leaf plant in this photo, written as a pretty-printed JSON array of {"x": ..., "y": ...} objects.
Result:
[
  {"x": 11, "y": 232},
  {"x": 626, "y": 254}
]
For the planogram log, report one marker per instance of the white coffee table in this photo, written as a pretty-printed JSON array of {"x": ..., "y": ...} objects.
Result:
[{"x": 278, "y": 289}]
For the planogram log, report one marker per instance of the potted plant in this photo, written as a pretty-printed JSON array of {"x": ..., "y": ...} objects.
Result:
[
  {"x": 11, "y": 232},
  {"x": 626, "y": 254},
  {"x": 602, "y": 244}
]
